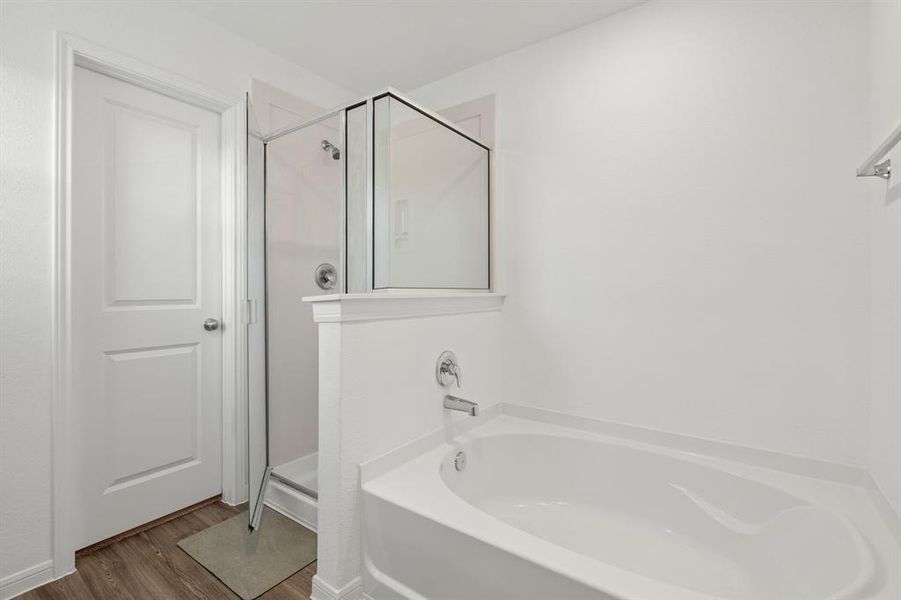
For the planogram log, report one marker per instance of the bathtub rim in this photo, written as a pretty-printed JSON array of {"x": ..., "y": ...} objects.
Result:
[
  {"x": 833, "y": 472},
  {"x": 447, "y": 509},
  {"x": 646, "y": 438},
  {"x": 451, "y": 510}
]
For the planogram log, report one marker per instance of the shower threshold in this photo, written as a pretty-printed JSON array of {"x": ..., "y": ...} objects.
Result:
[
  {"x": 300, "y": 475},
  {"x": 296, "y": 486}
]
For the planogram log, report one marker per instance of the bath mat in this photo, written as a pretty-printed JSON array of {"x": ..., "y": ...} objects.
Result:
[{"x": 251, "y": 564}]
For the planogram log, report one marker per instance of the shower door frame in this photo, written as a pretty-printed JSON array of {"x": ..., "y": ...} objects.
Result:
[
  {"x": 370, "y": 201},
  {"x": 255, "y": 511}
]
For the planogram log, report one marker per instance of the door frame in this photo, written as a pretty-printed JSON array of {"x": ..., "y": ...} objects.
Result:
[{"x": 71, "y": 51}]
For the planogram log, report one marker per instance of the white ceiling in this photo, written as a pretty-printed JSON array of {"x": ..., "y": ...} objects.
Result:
[{"x": 366, "y": 45}]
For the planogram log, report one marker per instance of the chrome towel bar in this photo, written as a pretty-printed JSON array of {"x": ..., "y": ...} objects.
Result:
[{"x": 872, "y": 167}]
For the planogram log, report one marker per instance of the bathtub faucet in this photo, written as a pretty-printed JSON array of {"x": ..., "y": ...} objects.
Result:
[{"x": 454, "y": 403}]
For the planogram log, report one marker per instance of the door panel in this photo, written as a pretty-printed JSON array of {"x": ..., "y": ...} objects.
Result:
[
  {"x": 146, "y": 271},
  {"x": 152, "y": 201},
  {"x": 151, "y": 400}
]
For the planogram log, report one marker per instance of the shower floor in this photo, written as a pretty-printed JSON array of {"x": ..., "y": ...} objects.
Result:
[{"x": 303, "y": 473}]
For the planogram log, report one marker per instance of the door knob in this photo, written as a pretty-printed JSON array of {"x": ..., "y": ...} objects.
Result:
[{"x": 211, "y": 324}]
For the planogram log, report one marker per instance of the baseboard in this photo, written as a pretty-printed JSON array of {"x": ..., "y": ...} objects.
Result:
[
  {"x": 350, "y": 591},
  {"x": 293, "y": 504},
  {"x": 26, "y": 579}
]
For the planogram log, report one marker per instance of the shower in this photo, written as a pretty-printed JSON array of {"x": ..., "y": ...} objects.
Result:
[
  {"x": 308, "y": 214},
  {"x": 330, "y": 147}
]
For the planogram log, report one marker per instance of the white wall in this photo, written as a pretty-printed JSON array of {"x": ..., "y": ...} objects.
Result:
[
  {"x": 686, "y": 240},
  {"x": 885, "y": 274},
  {"x": 162, "y": 36},
  {"x": 378, "y": 391}
]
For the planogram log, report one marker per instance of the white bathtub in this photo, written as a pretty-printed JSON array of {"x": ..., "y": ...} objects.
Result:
[{"x": 547, "y": 512}]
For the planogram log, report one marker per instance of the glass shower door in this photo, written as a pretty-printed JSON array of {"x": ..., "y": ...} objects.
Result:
[
  {"x": 258, "y": 468},
  {"x": 304, "y": 257},
  {"x": 295, "y": 248}
]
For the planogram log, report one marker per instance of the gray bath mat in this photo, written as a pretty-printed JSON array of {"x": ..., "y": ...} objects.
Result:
[{"x": 251, "y": 564}]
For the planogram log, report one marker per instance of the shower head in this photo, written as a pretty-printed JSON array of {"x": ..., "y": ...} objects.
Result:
[{"x": 330, "y": 147}]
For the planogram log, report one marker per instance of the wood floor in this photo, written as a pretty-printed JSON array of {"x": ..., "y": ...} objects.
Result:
[{"x": 149, "y": 565}]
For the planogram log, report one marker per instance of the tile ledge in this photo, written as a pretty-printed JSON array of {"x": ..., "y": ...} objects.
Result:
[{"x": 336, "y": 308}]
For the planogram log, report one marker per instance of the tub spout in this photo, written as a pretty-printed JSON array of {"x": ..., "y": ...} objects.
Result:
[{"x": 454, "y": 403}]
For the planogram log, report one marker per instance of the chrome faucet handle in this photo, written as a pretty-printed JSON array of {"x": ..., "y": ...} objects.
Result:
[
  {"x": 458, "y": 376},
  {"x": 447, "y": 369},
  {"x": 455, "y": 371}
]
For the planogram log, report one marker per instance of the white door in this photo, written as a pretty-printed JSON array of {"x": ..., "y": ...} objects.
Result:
[{"x": 146, "y": 268}]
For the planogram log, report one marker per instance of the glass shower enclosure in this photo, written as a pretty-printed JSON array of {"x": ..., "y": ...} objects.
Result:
[{"x": 377, "y": 195}]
